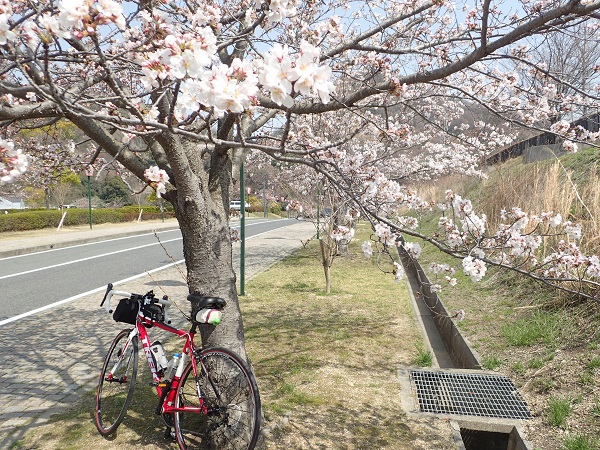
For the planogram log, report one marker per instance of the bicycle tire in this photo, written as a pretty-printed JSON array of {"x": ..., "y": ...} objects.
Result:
[
  {"x": 231, "y": 394},
  {"x": 113, "y": 397}
]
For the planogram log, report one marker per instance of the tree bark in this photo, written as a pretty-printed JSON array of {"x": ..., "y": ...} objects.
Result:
[
  {"x": 326, "y": 258},
  {"x": 201, "y": 208}
]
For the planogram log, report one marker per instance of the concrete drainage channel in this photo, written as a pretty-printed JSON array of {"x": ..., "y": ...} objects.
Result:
[{"x": 485, "y": 408}]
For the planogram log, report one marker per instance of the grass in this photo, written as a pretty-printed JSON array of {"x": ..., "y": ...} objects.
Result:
[
  {"x": 537, "y": 362},
  {"x": 581, "y": 442},
  {"x": 518, "y": 368},
  {"x": 423, "y": 358},
  {"x": 593, "y": 364},
  {"x": 491, "y": 362},
  {"x": 558, "y": 411},
  {"x": 595, "y": 411},
  {"x": 326, "y": 366},
  {"x": 326, "y": 362},
  {"x": 541, "y": 327}
]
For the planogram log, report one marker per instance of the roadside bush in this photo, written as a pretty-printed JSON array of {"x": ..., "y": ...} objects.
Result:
[
  {"x": 29, "y": 220},
  {"x": 275, "y": 208},
  {"x": 50, "y": 218}
]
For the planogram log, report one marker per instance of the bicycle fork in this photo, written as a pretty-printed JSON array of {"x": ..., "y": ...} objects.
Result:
[{"x": 110, "y": 377}]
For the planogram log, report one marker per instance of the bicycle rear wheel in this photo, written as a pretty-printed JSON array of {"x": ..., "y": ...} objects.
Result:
[
  {"x": 231, "y": 395},
  {"x": 115, "y": 389}
]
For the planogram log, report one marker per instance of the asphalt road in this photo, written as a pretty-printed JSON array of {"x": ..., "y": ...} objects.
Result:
[{"x": 36, "y": 280}]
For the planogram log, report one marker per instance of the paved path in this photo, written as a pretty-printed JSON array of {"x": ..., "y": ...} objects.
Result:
[{"x": 48, "y": 360}]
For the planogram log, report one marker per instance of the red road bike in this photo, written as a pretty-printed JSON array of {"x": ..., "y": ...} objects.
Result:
[{"x": 208, "y": 396}]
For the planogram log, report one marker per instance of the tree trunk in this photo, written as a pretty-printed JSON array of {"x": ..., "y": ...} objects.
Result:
[
  {"x": 342, "y": 247},
  {"x": 326, "y": 259},
  {"x": 201, "y": 208}
]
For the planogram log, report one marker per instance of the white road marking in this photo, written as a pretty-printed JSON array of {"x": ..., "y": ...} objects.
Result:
[
  {"x": 75, "y": 261},
  {"x": 100, "y": 289},
  {"x": 93, "y": 291},
  {"x": 86, "y": 244},
  {"x": 94, "y": 257}
]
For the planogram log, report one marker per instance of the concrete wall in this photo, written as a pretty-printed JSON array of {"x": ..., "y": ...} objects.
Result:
[
  {"x": 542, "y": 152},
  {"x": 461, "y": 354}
]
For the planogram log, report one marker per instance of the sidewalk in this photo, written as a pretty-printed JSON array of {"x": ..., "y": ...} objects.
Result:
[{"x": 49, "y": 360}]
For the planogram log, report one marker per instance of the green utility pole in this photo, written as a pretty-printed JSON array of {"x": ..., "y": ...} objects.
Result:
[
  {"x": 89, "y": 172},
  {"x": 242, "y": 230}
]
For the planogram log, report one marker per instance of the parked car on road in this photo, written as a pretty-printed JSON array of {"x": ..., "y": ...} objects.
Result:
[{"x": 236, "y": 205}]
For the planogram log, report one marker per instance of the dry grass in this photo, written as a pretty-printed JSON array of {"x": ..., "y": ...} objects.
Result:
[
  {"x": 562, "y": 186},
  {"x": 569, "y": 186},
  {"x": 326, "y": 366},
  {"x": 544, "y": 343}
]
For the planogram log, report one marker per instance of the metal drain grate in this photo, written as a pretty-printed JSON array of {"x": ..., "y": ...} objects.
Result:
[{"x": 468, "y": 394}]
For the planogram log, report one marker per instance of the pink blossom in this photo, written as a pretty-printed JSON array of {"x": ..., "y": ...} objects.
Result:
[
  {"x": 12, "y": 161},
  {"x": 413, "y": 249},
  {"x": 6, "y": 34},
  {"x": 157, "y": 178},
  {"x": 398, "y": 272}
]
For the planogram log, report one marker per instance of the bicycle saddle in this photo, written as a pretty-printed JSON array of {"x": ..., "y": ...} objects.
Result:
[{"x": 202, "y": 301}]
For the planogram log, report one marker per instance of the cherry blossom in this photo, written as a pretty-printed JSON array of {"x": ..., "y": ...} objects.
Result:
[
  {"x": 341, "y": 232},
  {"x": 367, "y": 249},
  {"x": 399, "y": 272},
  {"x": 12, "y": 161},
  {"x": 474, "y": 268},
  {"x": 157, "y": 178},
  {"x": 413, "y": 249},
  {"x": 6, "y": 34},
  {"x": 371, "y": 100}
]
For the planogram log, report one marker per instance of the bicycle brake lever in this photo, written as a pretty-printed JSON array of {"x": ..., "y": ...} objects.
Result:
[{"x": 108, "y": 289}]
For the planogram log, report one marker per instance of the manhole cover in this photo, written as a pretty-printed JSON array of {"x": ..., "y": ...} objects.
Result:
[{"x": 468, "y": 394}]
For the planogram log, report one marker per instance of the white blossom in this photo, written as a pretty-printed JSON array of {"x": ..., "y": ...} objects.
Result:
[
  {"x": 367, "y": 249},
  {"x": 474, "y": 268}
]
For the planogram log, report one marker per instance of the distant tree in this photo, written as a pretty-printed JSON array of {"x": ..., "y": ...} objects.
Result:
[
  {"x": 34, "y": 197},
  {"x": 569, "y": 61},
  {"x": 114, "y": 192},
  {"x": 62, "y": 192}
]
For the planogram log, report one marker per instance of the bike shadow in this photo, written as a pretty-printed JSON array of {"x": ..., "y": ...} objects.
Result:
[{"x": 55, "y": 359}]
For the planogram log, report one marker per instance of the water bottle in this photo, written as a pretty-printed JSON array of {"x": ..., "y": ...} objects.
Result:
[
  {"x": 208, "y": 315},
  {"x": 172, "y": 367},
  {"x": 158, "y": 352}
]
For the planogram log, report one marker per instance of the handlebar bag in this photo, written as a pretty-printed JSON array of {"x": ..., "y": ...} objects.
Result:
[
  {"x": 153, "y": 312},
  {"x": 126, "y": 311}
]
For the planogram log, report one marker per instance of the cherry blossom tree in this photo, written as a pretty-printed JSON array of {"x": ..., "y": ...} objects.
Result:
[
  {"x": 570, "y": 58},
  {"x": 178, "y": 91}
]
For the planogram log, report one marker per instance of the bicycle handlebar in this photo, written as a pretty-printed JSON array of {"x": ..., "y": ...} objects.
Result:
[{"x": 110, "y": 292}]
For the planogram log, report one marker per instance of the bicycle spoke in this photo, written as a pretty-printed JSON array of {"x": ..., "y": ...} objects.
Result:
[
  {"x": 116, "y": 384},
  {"x": 231, "y": 397}
]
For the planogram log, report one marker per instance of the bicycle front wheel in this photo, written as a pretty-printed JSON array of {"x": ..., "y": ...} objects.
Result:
[
  {"x": 116, "y": 383},
  {"x": 229, "y": 391}
]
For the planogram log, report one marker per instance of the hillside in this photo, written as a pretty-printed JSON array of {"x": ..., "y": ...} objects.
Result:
[{"x": 547, "y": 343}]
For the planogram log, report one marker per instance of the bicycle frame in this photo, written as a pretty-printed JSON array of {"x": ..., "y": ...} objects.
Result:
[
  {"x": 213, "y": 382},
  {"x": 167, "y": 390}
]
